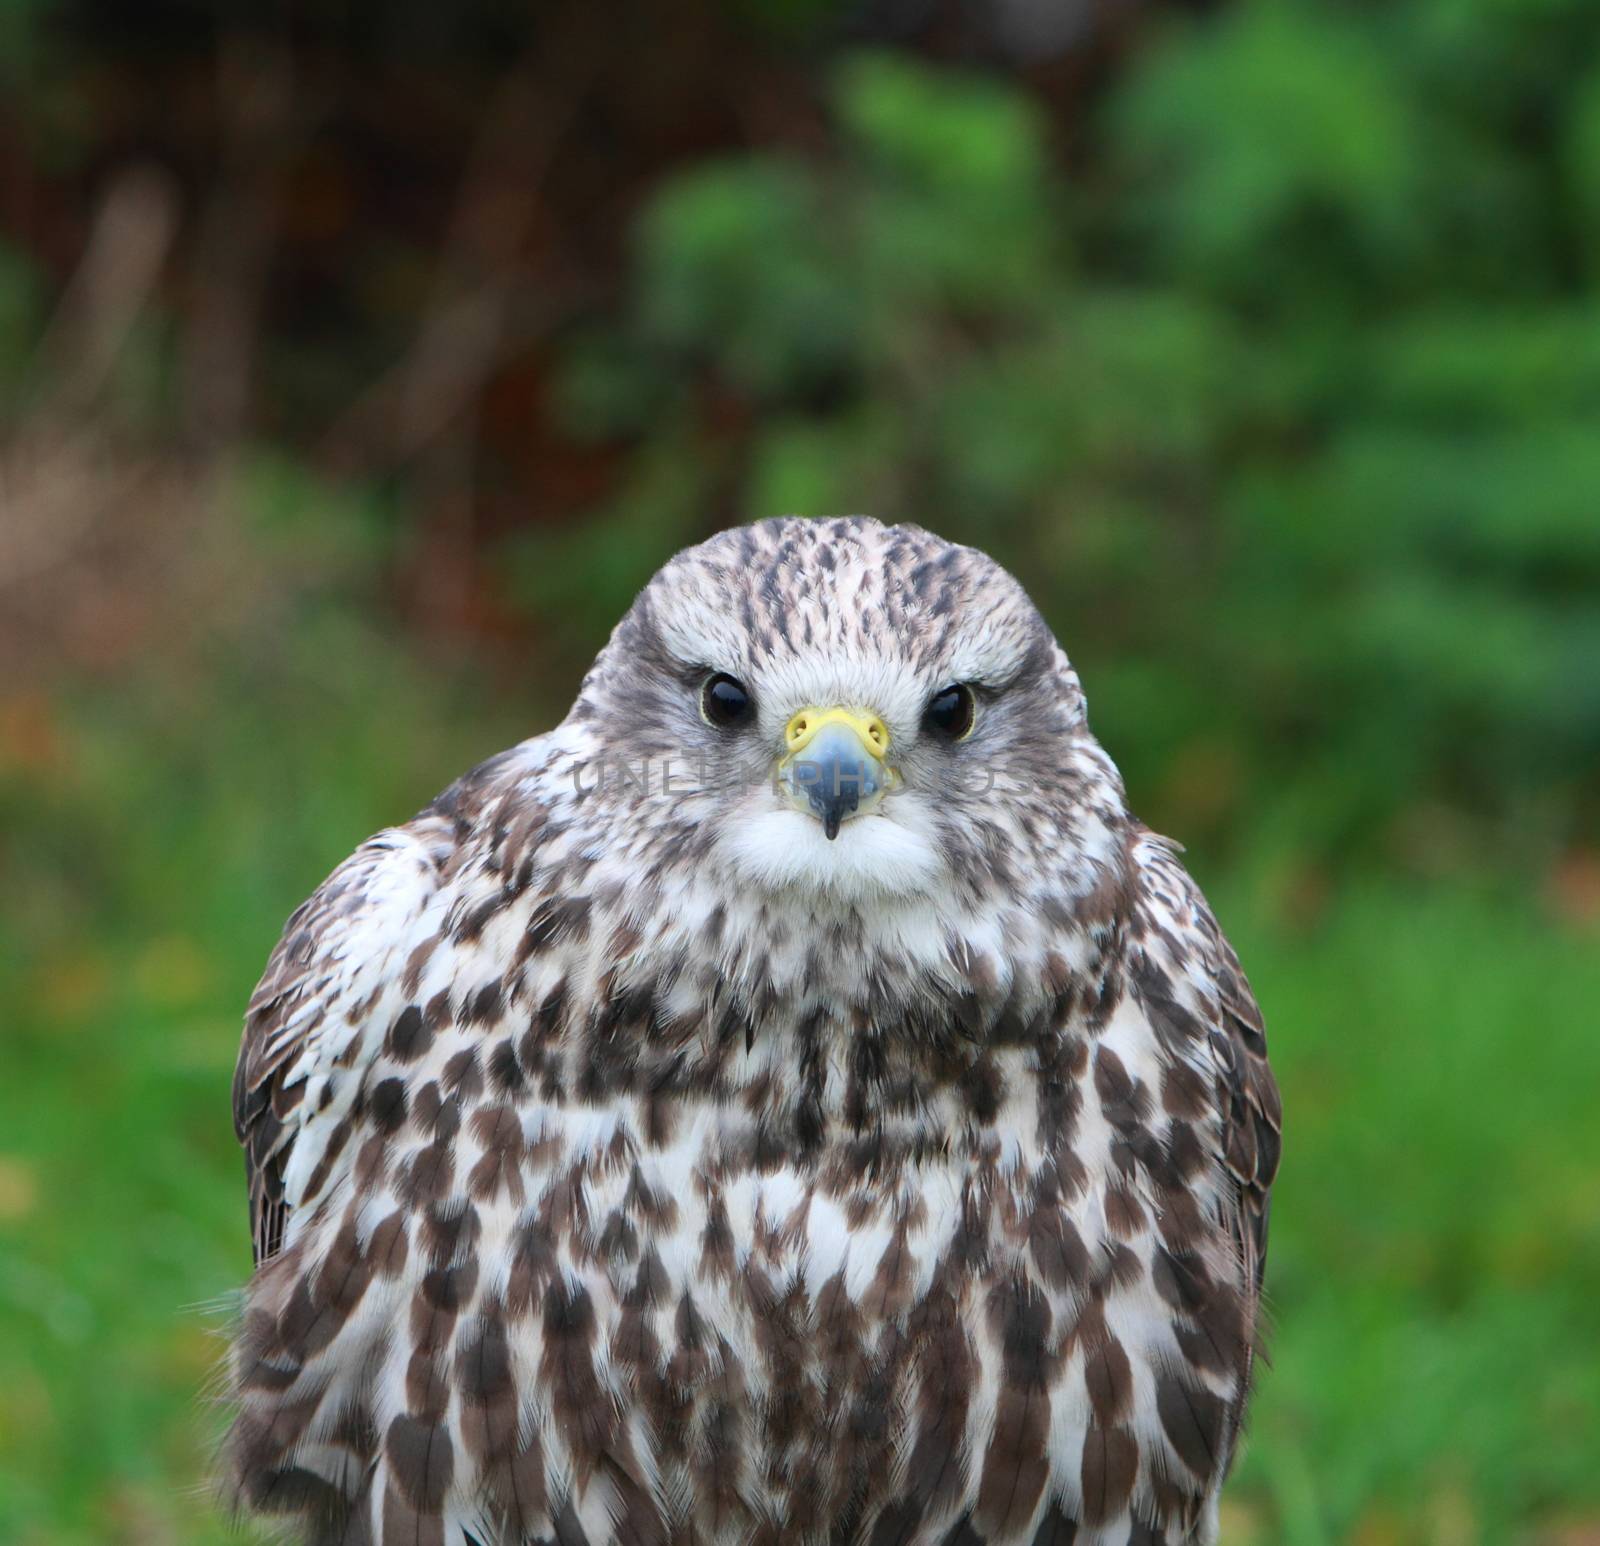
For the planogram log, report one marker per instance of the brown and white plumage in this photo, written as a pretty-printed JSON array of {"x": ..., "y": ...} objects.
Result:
[{"x": 630, "y": 1161}]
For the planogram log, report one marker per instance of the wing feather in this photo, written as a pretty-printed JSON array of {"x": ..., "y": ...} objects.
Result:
[
  {"x": 1252, "y": 1127},
  {"x": 1189, "y": 975},
  {"x": 318, "y": 1016}
]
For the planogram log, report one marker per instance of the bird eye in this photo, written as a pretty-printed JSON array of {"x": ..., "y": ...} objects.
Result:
[
  {"x": 949, "y": 713},
  {"x": 726, "y": 703}
]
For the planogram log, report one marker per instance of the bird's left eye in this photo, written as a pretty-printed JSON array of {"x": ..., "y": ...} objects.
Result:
[
  {"x": 726, "y": 703},
  {"x": 949, "y": 712}
]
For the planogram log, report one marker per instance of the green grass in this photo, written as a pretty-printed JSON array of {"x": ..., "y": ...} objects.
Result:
[
  {"x": 1435, "y": 1256},
  {"x": 1435, "y": 1262}
]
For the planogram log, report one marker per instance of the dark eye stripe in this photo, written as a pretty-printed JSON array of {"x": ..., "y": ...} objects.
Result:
[
  {"x": 950, "y": 712},
  {"x": 726, "y": 703}
]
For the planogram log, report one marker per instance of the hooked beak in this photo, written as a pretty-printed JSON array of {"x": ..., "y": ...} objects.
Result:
[{"x": 834, "y": 763}]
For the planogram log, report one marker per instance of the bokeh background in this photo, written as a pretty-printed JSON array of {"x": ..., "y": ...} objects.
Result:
[{"x": 356, "y": 370}]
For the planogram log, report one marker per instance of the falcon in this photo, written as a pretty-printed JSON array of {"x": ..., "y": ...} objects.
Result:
[{"x": 793, "y": 1100}]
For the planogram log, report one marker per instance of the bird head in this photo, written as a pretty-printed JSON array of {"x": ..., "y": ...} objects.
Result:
[{"x": 841, "y": 709}]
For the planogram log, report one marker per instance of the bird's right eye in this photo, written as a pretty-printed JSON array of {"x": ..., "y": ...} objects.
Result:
[{"x": 726, "y": 703}]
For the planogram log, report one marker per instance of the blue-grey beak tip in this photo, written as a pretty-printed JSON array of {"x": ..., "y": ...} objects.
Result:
[{"x": 836, "y": 775}]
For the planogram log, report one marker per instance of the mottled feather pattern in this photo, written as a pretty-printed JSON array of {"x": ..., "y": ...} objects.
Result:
[{"x": 618, "y": 1175}]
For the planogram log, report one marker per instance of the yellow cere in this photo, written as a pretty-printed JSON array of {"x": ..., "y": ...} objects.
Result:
[{"x": 804, "y": 727}]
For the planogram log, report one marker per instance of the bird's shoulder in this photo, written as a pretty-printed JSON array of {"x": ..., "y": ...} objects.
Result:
[
  {"x": 1200, "y": 1007},
  {"x": 319, "y": 1013}
]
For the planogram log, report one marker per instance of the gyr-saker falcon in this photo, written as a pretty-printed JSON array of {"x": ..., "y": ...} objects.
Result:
[{"x": 791, "y": 1101}]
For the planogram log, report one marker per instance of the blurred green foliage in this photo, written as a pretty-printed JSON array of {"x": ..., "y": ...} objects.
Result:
[
  {"x": 1285, "y": 413},
  {"x": 1276, "y": 380}
]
